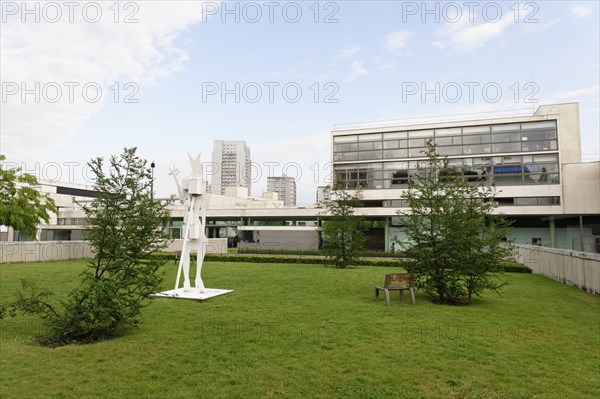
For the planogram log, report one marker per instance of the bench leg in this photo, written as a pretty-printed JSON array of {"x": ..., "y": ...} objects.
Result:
[
  {"x": 387, "y": 297},
  {"x": 376, "y": 294},
  {"x": 412, "y": 296},
  {"x": 401, "y": 295}
]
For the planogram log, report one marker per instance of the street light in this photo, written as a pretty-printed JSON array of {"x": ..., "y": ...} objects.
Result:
[{"x": 152, "y": 165}]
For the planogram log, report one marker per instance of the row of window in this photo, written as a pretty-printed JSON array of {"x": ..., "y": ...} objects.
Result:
[
  {"x": 525, "y": 129},
  {"x": 509, "y": 201},
  {"x": 507, "y": 170},
  {"x": 535, "y": 136},
  {"x": 516, "y": 137},
  {"x": 70, "y": 221},
  {"x": 550, "y": 145}
]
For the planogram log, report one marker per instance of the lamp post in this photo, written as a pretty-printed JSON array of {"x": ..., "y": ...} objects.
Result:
[{"x": 152, "y": 165}]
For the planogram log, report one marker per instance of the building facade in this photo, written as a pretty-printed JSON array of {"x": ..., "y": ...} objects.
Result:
[
  {"x": 66, "y": 224},
  {"x": 323, "y": 194},
  {"x": 231, "y": 166},
  {"x": 533, "y": 161},
  {"x": 285, "y": 187}
]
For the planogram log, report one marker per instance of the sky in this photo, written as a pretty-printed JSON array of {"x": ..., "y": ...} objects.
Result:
[{"x": 86, "y": 79}]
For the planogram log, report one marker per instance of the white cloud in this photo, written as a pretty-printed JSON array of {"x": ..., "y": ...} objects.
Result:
[
  {"x": 465, "y": 37},
  {"x": 580, "y": 11},
  {"x": 552, "y": 22},
  {"x": 103, "y": 53},
  {"x": 385, "y": 65},
  {"x": 577, "y": 95},
  {"x": 348, "y": 52},
  {"x": 397, "y": 40},
  {"x": 357, "y": 70}
]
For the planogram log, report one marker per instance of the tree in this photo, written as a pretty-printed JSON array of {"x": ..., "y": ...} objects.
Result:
[
  {"x": 124, "y": 226},
  {"x": 342, "y": 230},
  {"x": 22, "y": 207},
  {"x": 453, "y": 237}
]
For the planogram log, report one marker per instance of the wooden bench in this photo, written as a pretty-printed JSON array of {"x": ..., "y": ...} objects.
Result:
[{"x": 397, "y": 282}]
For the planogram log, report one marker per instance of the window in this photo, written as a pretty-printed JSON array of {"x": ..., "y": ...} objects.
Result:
[
  {"x": 395, "y": 153},
  {"x": 420, "y": 133},
  {"x": 370, "y": 137},
  {"x": 450, "y": 150},
  {"x": 345, "y": 139},
  {"x": 390, "y": 144},
  {"x": 475, "y": 129},
  {"x": 416, "y": 143},
  {"x": 538, "y": 125},
  {"x": 506, "y": 128},
  {"x": 394, "y": 135},
  {"x": 443, "y": 141},
  {"x": 368, "y": 155},
  {"x": 506, "y": 147},
  {"x": 453, "y": 131}
]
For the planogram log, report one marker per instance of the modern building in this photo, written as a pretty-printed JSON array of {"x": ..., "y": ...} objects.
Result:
[
  {"x": 285, "y": 187},
  {"x": 231, "y": 166},
  {"x": 67, "y": 224},
  {"x": 534, "y": 162},
  {"x": 323, "y": 194}
]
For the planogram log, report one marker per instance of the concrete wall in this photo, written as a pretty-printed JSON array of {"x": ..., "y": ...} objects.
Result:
[
  {"x": 568, "y": 129},
  {"x": 214, "y": 246},
  {"x": 281, "y": 239},
  {"x": 40, "y": 251},
  {"x": 581, "y": 188},
  {"x": 580, "y": 269}
]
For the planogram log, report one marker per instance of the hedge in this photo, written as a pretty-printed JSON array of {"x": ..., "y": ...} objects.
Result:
[
  {"x": 507, "y": 267},
  {"x": 273, "y": 251}
]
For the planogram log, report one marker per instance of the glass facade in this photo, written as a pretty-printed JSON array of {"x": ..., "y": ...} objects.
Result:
[{"x": 503, "y": 154}]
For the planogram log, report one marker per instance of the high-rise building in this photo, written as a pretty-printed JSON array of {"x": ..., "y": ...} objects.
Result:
[
  {"x": 231, "y": 166},
  {"x": 285, "y": 187},
  {"x": 323, "y": 194}
]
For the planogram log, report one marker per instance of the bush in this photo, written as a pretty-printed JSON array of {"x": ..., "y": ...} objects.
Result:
[
  {"x": 124, "y": 225},
  {"x": 514, "y": 267}
]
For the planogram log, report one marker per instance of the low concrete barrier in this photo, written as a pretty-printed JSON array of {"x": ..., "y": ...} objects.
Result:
[
  {"x": 42, "y": 251},
  {"x": 214, "y": 246},
  {"x": 580, "y": 269}
]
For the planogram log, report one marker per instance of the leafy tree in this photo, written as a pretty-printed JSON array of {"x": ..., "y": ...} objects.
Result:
[
  {"x": 452, "y": 236},
  {"x": 342, "y": 230},
  {"x": 21, "y": 206},
  {"x": 125, "y": 225}
]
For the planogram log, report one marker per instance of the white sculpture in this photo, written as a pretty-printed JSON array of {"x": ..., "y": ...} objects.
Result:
[{"x": 191, "y": 192}]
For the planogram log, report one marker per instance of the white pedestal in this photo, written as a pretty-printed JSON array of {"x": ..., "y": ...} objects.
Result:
[{"x": 197, "y": 294}]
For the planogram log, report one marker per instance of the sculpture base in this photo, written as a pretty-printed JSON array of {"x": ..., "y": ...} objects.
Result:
[{"x": 197, "y": 294}]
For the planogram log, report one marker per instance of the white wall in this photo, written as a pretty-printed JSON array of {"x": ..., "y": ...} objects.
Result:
[
  {"x": 41, "y": 251},
  {"x": 284, "y": 239},
  {"x": 581, "y": 188},
  {"x": 214, "y": 246},
  {"x": 580, "y": 269}
]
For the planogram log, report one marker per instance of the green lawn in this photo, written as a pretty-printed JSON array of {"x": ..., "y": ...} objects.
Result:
[{"x": 306, "y": 331}]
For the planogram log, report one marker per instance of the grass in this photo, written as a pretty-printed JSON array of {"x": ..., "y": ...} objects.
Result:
[{"x": 306, "y": 331}]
